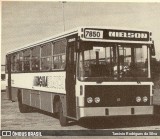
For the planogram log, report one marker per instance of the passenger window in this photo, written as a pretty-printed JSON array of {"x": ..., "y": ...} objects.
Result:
[
  {"x": 59, "y": 57},
  {"x": 26, "y": 59},
  {"x": 46, "y": 53},
  {"x": 20, "y": 61},
  {"x": 35, "y": 60}
]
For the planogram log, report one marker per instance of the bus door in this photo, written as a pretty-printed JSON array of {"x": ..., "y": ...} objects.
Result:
[{"x": 70, "y": 80}]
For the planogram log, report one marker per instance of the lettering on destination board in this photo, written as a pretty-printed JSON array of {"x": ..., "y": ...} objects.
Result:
[
  {"x": 128, "y": 35},
  {"x": 40, "y": 81},
  {"x": 56, "y": 82}
]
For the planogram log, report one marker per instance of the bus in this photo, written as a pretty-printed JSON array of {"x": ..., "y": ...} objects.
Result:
[{"x": 84, "y": 72}]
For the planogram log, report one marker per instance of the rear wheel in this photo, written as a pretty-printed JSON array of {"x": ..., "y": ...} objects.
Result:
[
  {"x": 62, "y": 119},
  {"x": 22, "y": 107}
]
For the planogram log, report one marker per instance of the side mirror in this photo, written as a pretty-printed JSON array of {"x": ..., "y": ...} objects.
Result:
[{"x": 152, "y": 50}]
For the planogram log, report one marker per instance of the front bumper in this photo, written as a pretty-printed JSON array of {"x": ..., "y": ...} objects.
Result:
[{"x": 114, "y": 111}]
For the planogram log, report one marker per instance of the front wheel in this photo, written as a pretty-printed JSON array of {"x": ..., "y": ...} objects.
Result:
[{"x": 62, "y": 119}]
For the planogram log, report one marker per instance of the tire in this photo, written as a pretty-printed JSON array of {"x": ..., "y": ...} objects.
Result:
[
  {"x": 62, "y": 119},
  {"x": 22, "y": 107}
]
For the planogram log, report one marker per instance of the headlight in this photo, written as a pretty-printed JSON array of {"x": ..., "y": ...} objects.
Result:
[
  {"x": 89, "y": 99},
  {"x": 145, "y": 99},
  {"x": 138, "y": 99},
  {"x": 97, "y": 100}
]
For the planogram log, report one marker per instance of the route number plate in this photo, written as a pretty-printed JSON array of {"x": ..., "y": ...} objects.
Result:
[{"x": 93, "y": 34}]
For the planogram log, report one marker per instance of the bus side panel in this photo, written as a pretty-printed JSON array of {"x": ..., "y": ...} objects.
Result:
[
  {"x": 26, "y": 95},
  {"x": 35, "y": 99},
  {"x": 46, "y": 101},
  {"x": 156, "y": 97},
  {"x": 14, "y": 93}
]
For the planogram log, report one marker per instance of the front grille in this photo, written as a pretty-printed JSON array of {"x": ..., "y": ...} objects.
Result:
[{"x": 117, "y": 95}]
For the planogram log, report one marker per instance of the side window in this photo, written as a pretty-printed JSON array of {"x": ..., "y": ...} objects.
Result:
[
  {"x": 14, "y": 62},
  {"x": 46, "y": 53},
  {"x": 26, "y": 59},
  {"x": 57, "y": 62},
  {"x": 35, "y": 60},
  {"x": 59, "y": 56},
  {"x": 19, "y": 61}
]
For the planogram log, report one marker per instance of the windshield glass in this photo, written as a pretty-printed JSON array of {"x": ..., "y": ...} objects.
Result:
[{"x": 113, "y": 61}]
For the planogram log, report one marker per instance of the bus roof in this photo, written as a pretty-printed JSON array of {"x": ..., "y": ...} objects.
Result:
[
  {"x": 67, "y": 33},
  {"x": 52, "y": 38}
]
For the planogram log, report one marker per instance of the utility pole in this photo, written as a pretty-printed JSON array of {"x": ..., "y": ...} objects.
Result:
[{"x": 63, "y": 2}]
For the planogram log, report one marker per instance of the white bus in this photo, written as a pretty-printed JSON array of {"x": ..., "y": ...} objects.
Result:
[{"x": 85, "y": 72}]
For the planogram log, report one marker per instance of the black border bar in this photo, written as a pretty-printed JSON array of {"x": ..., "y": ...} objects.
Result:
[{"x": 80, "y": 133}]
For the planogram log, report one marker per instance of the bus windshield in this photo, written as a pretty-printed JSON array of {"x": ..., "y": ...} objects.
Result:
[{"x": 116, "y": 61}]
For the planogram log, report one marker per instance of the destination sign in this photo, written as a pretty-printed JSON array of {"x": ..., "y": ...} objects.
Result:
[
  {"x": 110, "y": 34},
  {"x": 127, "y": 34}
]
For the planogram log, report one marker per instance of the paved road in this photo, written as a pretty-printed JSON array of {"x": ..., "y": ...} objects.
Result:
[{"x": 12, "y": 119}]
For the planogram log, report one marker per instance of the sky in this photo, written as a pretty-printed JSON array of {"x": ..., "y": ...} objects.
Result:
[{"x": 28, "y": 22}]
